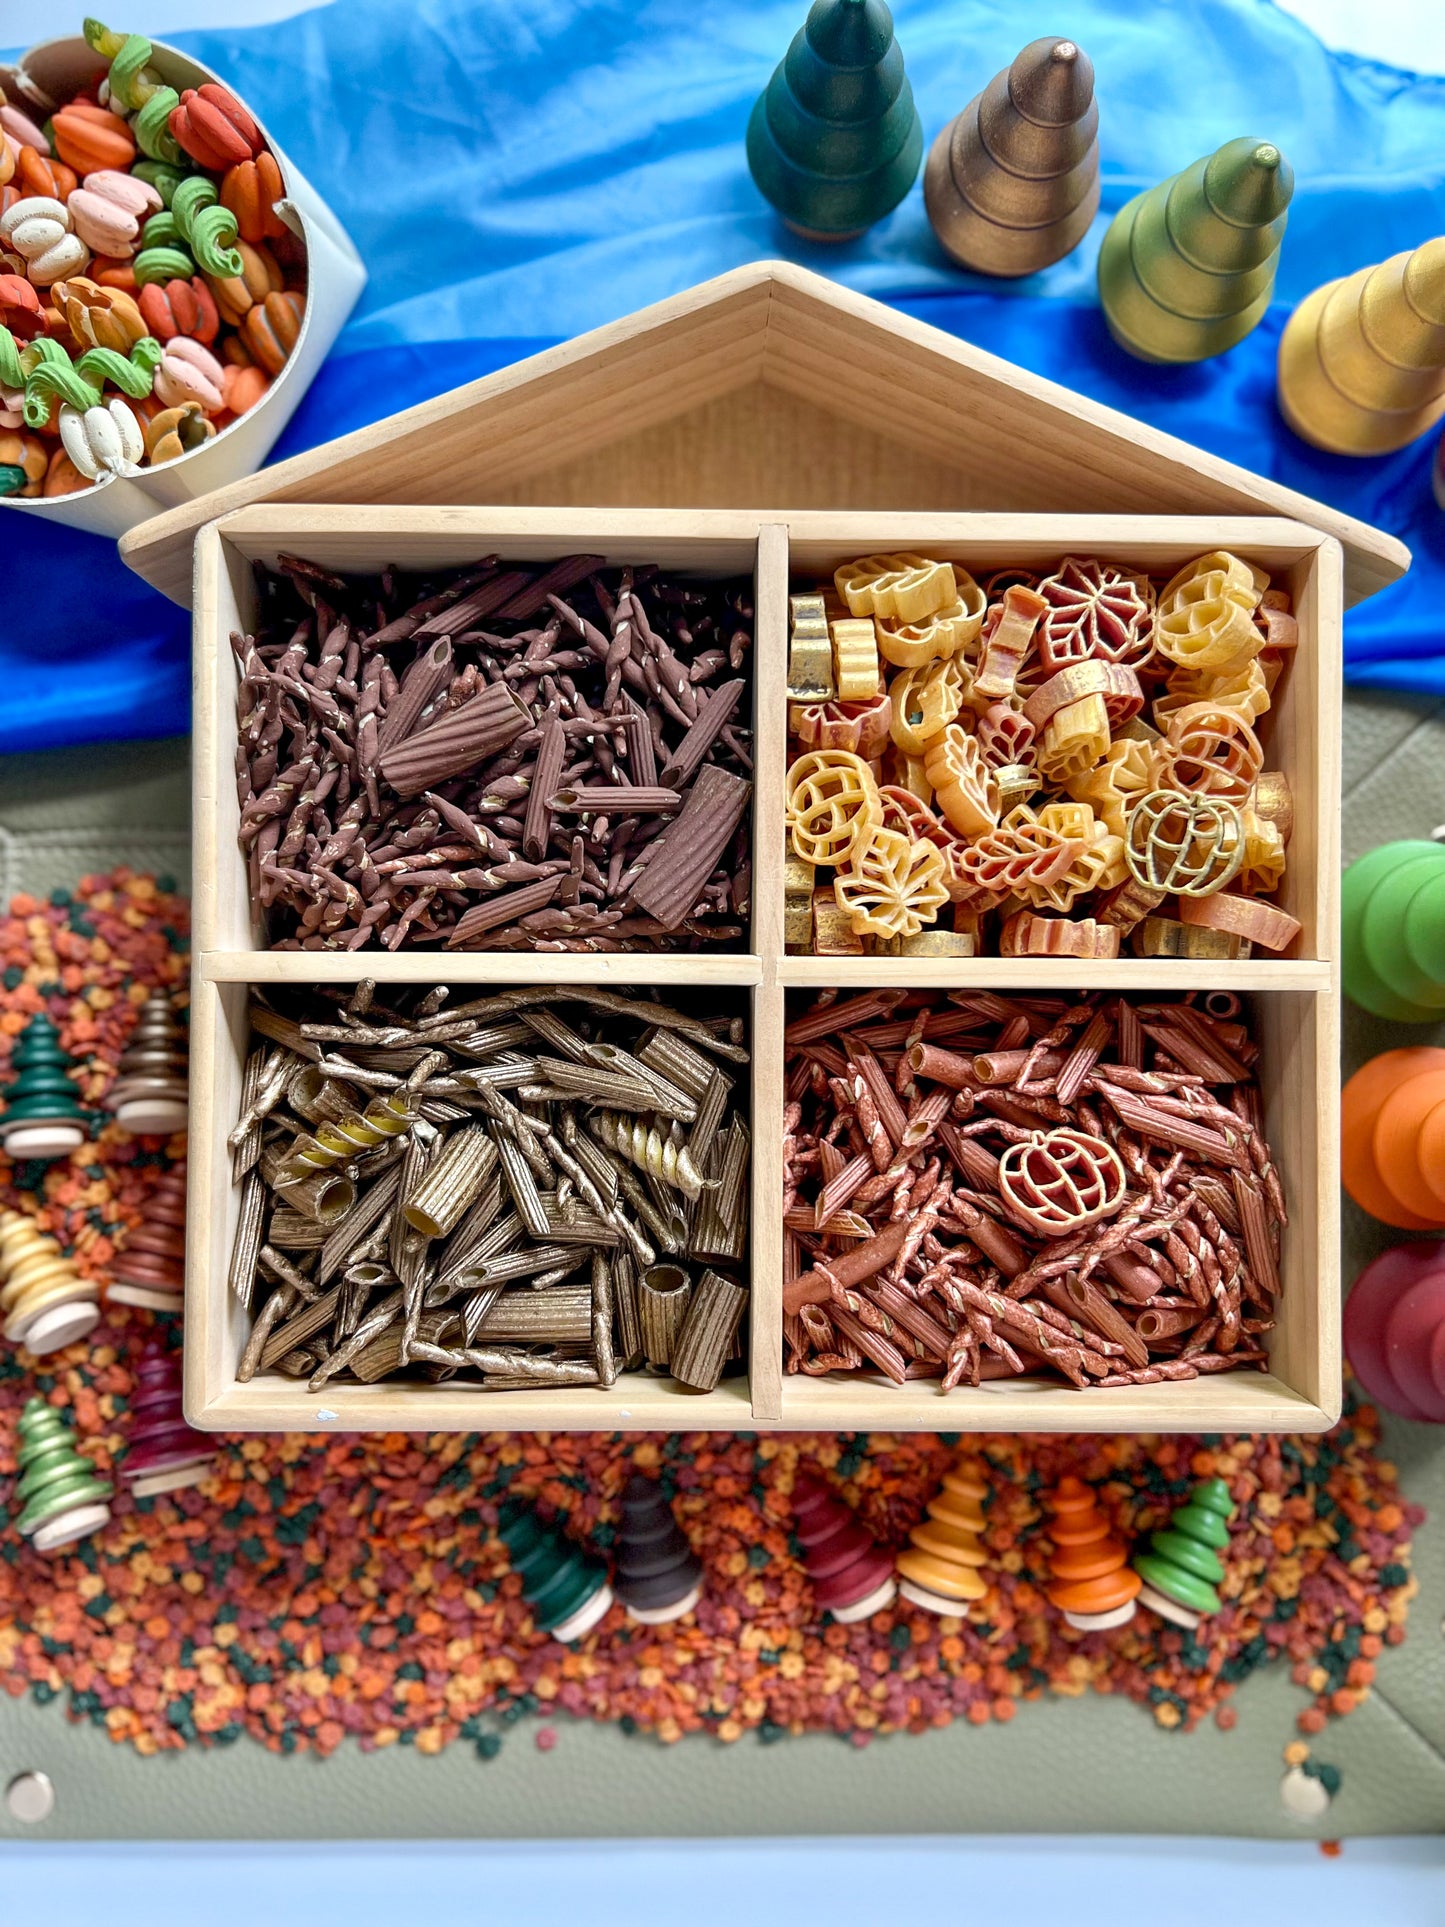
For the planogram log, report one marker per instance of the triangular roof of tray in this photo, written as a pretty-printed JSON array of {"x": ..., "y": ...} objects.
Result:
[{"x": 770, "y": 389}]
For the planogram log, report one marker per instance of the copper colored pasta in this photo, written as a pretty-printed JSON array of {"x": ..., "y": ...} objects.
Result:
[{"x": 1059, "y": 1201}]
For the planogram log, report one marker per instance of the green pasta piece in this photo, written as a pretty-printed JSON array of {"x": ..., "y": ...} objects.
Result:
[
  {"x": 162, "y": 264},
  {"x": 134, "y": 376},
  {"x": 208, "y": 228},
  {"x": 164, "y": 178},
  {"x": 54, "y": 374},
  {"x": 15, "y": 362},
  {"x": 152, "y": 127},
  {"x": 131, "y": 86},
  {"x": 163, "y": 230}
]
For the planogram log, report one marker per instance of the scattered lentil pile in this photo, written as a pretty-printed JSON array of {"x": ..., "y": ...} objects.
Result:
[
  {"x": 87, "y": 959},
  {"x": 320, "y": 1588}
]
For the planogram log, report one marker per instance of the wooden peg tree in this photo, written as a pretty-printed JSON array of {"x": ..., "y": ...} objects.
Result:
[
  {"x": 852, "y": 1574},
  {"x": 149, "y": 1096},
  {"x": 1186, "y": 270},
  {"x": 1392, "y": 908},
  {"x": 62, "y": 1496},
  {"x": 163, "y": 1452},
  {"x": 1093, "y": 1586},
  {"x": 1362, "y": 359},
  {"x": 940, "y": 1569},
  {"x": 43, "y": 1116},
  {"x": 45, "y": 1301},
  {"x": 1012, "y": 182},
  {"x": 565, "y": 1584},
  {"x": 1181, "y": 1567},
  {"x": 834, "y": 141},
  {"x": 659, "y": 1576}
]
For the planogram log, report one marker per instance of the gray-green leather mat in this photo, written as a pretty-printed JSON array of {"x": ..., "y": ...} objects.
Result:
[{"x": 1089, "y": 1765}]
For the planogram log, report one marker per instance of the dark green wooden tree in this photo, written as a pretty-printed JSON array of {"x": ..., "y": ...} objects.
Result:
[
  {"x": 564, "y": 1583},
  {"x": 43, "y": 1114},
  {"x": 834, "y": 141}
]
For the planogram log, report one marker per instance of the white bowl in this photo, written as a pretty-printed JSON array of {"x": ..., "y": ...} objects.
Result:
[{"x": 55, "y": 71}]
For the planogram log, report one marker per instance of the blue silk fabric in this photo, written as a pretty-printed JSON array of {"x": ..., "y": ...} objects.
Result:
[{"x": 517, "y": 171}]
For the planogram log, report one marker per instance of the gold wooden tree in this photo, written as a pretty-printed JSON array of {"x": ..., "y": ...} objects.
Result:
[{"x": 1362, "y": 359}]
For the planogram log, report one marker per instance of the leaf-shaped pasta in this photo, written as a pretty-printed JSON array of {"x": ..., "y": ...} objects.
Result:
[{"x": 891, "y": 886}]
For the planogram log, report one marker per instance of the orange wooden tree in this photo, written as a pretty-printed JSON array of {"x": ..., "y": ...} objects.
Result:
[{"x": 1093, "y": 1586}]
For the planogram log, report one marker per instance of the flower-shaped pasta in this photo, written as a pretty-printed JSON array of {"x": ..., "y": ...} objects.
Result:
[
  {"x": 833, "y": 805},
  {"x": 1095, "y": 610},
  {"x": 891, "y": 886}
]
